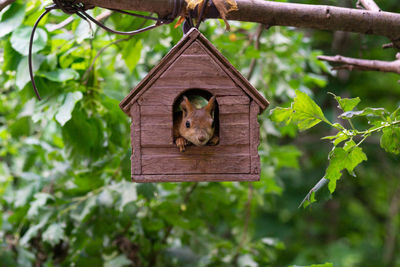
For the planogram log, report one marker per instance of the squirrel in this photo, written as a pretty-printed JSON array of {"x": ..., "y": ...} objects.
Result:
[{"x": 195, "y": 126}]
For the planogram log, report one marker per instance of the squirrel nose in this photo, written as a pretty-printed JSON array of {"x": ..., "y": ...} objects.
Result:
[{"x": 202, "y": 139}]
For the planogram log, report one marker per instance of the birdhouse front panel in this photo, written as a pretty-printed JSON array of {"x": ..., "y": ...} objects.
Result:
[{"x": 193, "y": 68}]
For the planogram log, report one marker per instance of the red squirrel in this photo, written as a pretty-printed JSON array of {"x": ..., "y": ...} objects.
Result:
[{"x": 195, "y": 126}]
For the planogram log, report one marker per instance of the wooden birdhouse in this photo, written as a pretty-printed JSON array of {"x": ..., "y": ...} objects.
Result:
[{"x": 194, "y": 67}]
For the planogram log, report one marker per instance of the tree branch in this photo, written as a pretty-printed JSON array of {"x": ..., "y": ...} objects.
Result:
[
  {"x": 257, "y": 47},
  {"x": 284, "y": 14},
  {"x": 363, "y": 64},
  {"x": 5, "y": 3},
  {"x": 369, "y": 5}
]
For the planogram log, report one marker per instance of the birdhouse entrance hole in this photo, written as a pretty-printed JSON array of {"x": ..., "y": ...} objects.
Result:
[{"x": 199, "y": 99}]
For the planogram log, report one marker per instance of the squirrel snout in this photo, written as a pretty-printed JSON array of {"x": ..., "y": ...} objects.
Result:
[{"x": 202, "y": 139}]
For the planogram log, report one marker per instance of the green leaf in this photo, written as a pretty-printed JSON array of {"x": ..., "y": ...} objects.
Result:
[
  {"x": 54, "y": 234},
  {"x": 306, "y": 112},
  {"x": 337, "y": 139},
  {"x": 390, "y": 140},
  {"x": 12, "y": 18},
  {"x": 132, "y": 53},
  {"x": 39, "y": 202},
  {"x": 23, "y": 77},
  {"x": 282, "y": 114},
  {"x": 61, "y": 75},
  {"x": 341, "y": 159},
  {"x": 64, "y": 114},
  {"x": 20, "y": 40},
  {"x": 347, "y": 104},
  {"x": 118, "y": 261},
  {"x": 365, "y": 112}
]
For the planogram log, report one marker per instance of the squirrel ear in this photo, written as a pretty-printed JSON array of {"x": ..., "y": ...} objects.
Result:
[
  {"x": 211, "y": 106},
  {"x": 186, "y": 106}
]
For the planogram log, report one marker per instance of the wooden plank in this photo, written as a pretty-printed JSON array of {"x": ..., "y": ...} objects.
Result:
[
  {"x": 195, "y": 164},
  {"x": 194, "y": 66},
  {"x": 195, "y": 178},
  {"x": 194, "y": 82},
  {"x": 233, "y": 100},
  {"x": 233, "y": 118},
  {"x": 196, "y": 150},
  {"x": 156, "y": 135},
  {"x": 135, "y": 140},
  {"x": 194, "y": 49},
  {"x": 160, "y": 88},
  {"x": 155, "y": 110},
  {"x": 234, "y": 134},
  {"x": 232, "y": 109},
  {"x": 254, "y": 138}
]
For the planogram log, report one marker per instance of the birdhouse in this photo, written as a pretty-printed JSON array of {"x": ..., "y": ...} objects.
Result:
[{"x": 194, "y": 67}]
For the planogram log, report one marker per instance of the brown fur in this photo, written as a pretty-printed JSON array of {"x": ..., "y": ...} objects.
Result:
[{"x": 201, "y": 130}]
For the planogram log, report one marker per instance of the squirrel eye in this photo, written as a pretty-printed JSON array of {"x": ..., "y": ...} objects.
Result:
[{"x": 187, "y": 124}]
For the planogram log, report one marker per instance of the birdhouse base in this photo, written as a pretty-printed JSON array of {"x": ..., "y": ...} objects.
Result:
[{"x": 195, "y": 178}]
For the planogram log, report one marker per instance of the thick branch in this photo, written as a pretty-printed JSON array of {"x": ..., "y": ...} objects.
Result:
[
  {"x": 370, "y": 5},
  {"x": 285, "y": 14},
  {"x": 363, "y": 64},
  {"x": 4, "y": 3}
]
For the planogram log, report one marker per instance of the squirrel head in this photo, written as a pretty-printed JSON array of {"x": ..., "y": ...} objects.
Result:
[{"x": 197, "y": 125}]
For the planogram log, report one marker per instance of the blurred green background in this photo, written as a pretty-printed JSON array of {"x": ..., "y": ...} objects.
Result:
[{"x": 65, "y": 192}]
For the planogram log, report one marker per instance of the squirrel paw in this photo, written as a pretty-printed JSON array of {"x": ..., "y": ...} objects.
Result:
[
  {"x": 214, "y": 141},
  {"x": 181, "y": 142}
]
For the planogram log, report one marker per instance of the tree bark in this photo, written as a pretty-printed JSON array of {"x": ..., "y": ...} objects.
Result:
[
  {"x": 363, "y": 64},
  {"x": 284, "y": 14}
]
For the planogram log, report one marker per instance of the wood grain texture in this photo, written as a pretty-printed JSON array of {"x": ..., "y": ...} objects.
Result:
[
  {"x": 135, "y": 140},
  {"x": 215, "y": 82},
  {"x": 157, "y": 96},
  {"x": 197, "y": 150},
  {"x": 156, "y": 135},
  {"x": 254, "y": 138},
  {"x": 195, "y": 178},
  {"x": 195, "y": 164},
  {"x": 194, "y": 66}
]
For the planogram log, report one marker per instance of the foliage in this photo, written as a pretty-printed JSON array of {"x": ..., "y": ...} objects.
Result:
[{"x": 65, "y": 193}]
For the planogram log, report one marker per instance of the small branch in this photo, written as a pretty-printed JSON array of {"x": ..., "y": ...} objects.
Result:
[
  {"x": 369, "y": 5},
  {"x": 54, "y": 27},
  {"x": 363, "y": 64},
  {"x": 5, "y": 3},
  {"x": 257, "y": 46}
]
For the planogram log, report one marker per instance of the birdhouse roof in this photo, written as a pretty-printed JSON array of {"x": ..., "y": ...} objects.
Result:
[{"x": 193, "y": 36}]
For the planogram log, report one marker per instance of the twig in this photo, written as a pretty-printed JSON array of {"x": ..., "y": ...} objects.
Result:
[
  {"x": 85, "y": 76},
  {"x": 5, "y": 3},
  {"x": 363, "y": 64},
  {"x": 369, "y": 5},
  {"x": 54, "y": 27},
  {"x": 257, "y": 46}
]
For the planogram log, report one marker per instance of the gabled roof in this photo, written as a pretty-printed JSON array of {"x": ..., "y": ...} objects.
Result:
[{"x": 192, "y": 36}]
